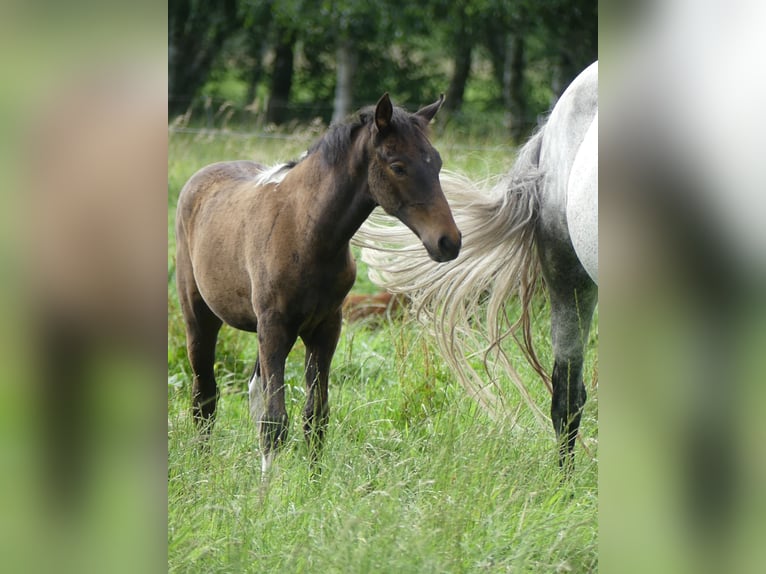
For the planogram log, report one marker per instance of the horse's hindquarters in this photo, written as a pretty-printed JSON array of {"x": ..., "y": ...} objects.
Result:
[
  {"x": 212, "y": 239},
  {"x": 582, "y": 202}
]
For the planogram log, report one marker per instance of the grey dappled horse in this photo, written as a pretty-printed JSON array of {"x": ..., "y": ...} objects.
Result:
[{"x": 540, "y": 220}]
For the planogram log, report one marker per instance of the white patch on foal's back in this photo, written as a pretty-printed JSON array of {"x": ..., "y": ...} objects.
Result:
[{"x": 274, "y": 174}]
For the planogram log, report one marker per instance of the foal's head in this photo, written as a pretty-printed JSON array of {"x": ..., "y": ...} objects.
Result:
[{"x": 404, "y": 176}]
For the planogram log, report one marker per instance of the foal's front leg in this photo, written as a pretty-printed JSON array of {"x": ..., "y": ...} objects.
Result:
[
  {"x": 275, "y": 340},
  {"x": 320, "y": 348}
]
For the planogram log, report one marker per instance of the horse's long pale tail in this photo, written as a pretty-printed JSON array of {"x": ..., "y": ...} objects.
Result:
[{"x": 464, "y": 301}]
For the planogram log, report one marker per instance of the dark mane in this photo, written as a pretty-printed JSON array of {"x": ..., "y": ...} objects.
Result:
[{"x": 334, "y": 144}]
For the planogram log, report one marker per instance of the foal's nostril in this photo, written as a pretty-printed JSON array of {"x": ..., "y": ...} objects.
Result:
[{"x": 448, "y": 247}]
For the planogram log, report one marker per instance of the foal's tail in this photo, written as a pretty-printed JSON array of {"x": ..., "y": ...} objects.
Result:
[{"x": 464, "y": 301}]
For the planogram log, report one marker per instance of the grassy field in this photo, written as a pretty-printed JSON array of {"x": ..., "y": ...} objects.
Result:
[{"x": 414, "y": 477}]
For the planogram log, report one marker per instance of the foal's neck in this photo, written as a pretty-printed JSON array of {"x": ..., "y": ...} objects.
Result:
[{"x": 340, "y": 200}]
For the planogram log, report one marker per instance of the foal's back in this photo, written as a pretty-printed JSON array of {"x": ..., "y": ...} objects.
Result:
[
  {"x": 243, "y": 248},
  {"x": 217, "y": 210},
  {"x": 223, "y": 183}
]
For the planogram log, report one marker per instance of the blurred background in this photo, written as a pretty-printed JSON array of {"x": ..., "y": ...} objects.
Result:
[
  {"x": 255, "y": 63},
  {"x": 89, "y": 93}
]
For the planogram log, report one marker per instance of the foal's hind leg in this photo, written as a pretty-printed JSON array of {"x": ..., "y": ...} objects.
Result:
[
  {"x": 573, "y": 298},
  {"x": 320, "y": 348},
  {"x": 202, "y": 327},
  {"x": 201, "y": 335}
]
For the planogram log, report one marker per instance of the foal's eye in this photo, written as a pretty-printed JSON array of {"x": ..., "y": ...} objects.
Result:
[{"x": 397, "y": 168}]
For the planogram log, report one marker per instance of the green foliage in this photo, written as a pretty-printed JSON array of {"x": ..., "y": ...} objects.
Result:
[
  {"x": 414, "y": 477},
  {"x": 226, "y": 52}
]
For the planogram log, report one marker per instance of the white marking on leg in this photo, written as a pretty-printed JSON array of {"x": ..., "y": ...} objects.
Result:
[
  {"x": 255, "y": 392},
  {"x": 266, "y": 461}
]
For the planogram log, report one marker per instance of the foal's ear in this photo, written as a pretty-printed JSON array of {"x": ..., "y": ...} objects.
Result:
[
  {"x": 429, "y": 112},
  {"x": 383, "y": 112}
]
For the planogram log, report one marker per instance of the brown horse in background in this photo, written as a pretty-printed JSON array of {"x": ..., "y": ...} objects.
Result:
[{"x": 267, "y": 251}]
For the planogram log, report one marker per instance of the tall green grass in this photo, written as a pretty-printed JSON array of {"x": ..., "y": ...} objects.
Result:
[{"x": 414, "y": 477}]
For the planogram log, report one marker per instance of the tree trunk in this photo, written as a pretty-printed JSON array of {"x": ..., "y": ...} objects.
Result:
[
  {"x": 281, "y": 78},
  {"x": 513, "y": 87},
  {"x": 189, "y": 65},
  {"x": 462, "y": 59},
  {"x": 346, "y": 66},
  {"x": 255, "y": 75},
  {"x": 194, "y": 41},
  {"x": 456, "y": 90}
]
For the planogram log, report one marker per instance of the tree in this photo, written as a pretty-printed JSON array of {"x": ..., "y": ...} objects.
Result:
[
  {"x": 256, "y": 22},
  {"x": 348, "y": 26},
  {"x": 506, "y": 30},
  {"x": 281, "y": 74},
  {"x": 458, "y": 21},
  {"x": 337, "y": 54},
  {"x": 569, "y": 29},
  {"x": 461, "y": 56},
  {"x": 196, "y": 34},
  {"x": 346, "y": 59}
]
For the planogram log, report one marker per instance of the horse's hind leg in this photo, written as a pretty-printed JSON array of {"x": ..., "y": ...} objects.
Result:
[
  {"x": 573, "y": 298},
  {"x": 571, "y": 316},
  {"x": 320, "y": 348},
  {"x": 202, "y": 327},
  {"x": 201, "y": 336}
]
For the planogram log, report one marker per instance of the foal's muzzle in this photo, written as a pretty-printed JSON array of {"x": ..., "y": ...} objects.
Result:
[
  {"x": 435, "y": 227},
  {"x": 447, "y": 248}
]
